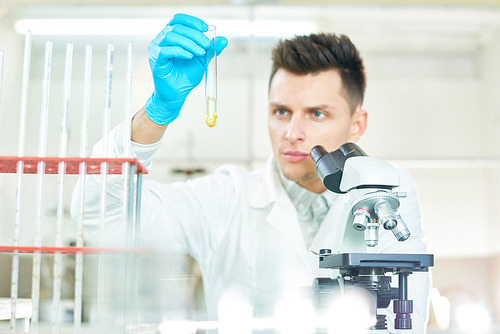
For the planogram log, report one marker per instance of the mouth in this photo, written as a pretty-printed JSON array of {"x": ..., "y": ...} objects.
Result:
[{"x": 295, "y": 156}]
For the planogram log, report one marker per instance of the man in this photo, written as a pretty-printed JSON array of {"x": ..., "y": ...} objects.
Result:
[{"x": 252, "y": 231}]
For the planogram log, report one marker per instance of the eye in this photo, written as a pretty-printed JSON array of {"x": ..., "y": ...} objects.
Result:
[
  {"x": 280, "y": 113},
  {"x": 318, "y": 114}
]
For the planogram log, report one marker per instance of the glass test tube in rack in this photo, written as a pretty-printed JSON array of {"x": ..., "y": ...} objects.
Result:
[{"x": 129, "y": 168}]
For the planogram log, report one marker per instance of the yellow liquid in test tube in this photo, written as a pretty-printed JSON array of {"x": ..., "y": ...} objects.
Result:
[
  {"x": 211, "y": 118},
  {"x": 211, "y": 79}
]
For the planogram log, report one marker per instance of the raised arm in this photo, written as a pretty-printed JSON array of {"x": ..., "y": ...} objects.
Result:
[{"x": 177, "y": 60}]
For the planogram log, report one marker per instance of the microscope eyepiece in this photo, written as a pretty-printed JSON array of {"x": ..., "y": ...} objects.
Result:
[
  {"x": 317, "y": 152},
  {"x": 330, "y": 166}
]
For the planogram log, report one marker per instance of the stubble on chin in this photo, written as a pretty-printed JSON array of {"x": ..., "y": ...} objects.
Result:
[{"x": 299, "y": 176}]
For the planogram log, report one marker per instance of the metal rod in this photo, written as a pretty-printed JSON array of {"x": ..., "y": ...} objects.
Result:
[
  {"x": 2, "y": 60},
  {"x": 42, "y": 147},
  {"x": 77, "y": 314},
  {"x": 128, "y": 279},
  {"x": 403, "y": 286},
  {"x": 127, "y": 203},
  {"x": 130, "y": 201},
  {"x": 63, "y": 144},
  {"x": 22, "y": 136},
  {"x": 104, "y": 174},
  {"x": 137, "y": 225},
  {"x": 137, "y": 243}
]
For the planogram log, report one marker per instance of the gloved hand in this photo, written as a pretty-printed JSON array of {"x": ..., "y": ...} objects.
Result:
[{"x": 177, "y": 61}]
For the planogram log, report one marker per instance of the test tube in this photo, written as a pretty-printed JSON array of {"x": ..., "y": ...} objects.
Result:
[
  {"x": 77, "y": 314},
  {"x": 42, "y": 147},
  {"x": 20, "y": 167},
  {"x": 104, "y": 176},
  {"x": 211, "y": 79},
  {"x": 61, "y": 172}
]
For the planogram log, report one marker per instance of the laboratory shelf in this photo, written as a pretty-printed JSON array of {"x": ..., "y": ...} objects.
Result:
[
  {"x": 71, "y": 165},
  {"x": 71, "y": 250}
]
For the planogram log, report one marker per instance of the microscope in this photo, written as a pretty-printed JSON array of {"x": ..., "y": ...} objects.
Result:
[{"x": 372, "y": 205}]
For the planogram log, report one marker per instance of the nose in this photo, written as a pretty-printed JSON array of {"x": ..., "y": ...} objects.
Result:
[{"x": 295, "y": 131}]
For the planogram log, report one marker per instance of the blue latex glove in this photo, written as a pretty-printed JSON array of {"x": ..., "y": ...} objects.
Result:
[{"x": 177, "y": 61}]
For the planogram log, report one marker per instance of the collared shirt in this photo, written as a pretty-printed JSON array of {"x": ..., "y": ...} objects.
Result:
[{"x": 311, "y": 207}]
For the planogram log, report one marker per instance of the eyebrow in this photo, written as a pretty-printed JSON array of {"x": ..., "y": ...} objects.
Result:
[
  {"x": 276, "y": 104},
  {"x": 321, "y": 107},
  {"x": 310, "y": 108}
]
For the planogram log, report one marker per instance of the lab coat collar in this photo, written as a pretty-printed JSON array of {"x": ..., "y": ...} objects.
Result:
[
  {"x": 283, "y": 215},
  {"x": 332, "y": 229},
  {"x": 270, "y": 188}
]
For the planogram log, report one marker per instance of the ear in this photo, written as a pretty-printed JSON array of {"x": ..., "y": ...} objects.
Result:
[{"x": 358, "y": 125}]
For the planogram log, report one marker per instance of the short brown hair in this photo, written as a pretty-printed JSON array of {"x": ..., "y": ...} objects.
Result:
[{"x": 316, "y": 53}]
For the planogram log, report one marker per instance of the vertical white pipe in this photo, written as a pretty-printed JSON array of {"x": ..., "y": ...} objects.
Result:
[
  {"x": 24, "y": 93},
  {"x": 86, "y": 102},
  {"x": 252, "y": 66},
  {"x": 83, "y": 152},
  {"x": 63, "y": 144},
  {"x": 128, "y": 98},
  {"x": 20, "y": 166},
  {"x": 104, "y": 175},
  {"x": 42, "y": 147},
  {"x": 42, "y": 142},
  {"x": 107, "y": 97},
  {"x": 2, "y": 60}
]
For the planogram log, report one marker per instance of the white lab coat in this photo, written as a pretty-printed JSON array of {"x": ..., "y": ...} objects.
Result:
[{"x": 242, "y": 229}]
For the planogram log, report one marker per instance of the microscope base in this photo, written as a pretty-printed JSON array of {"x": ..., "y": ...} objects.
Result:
[{"x": 367, "y": 271}]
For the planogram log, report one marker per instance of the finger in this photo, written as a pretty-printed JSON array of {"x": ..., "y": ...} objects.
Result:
[
  {"x": 160, "y": 35},
  {"x": 173, "y": 39},
  {"x": 195, "y": 35},
  {"x": 189, "y": 21},
  {"x": 220, "y": 44},
  {"x": 169, "y": 52},
  {"x": 183, "y": 20}
]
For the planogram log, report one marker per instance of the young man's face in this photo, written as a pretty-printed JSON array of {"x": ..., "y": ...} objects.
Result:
[{"x": 305, "y": 111}]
